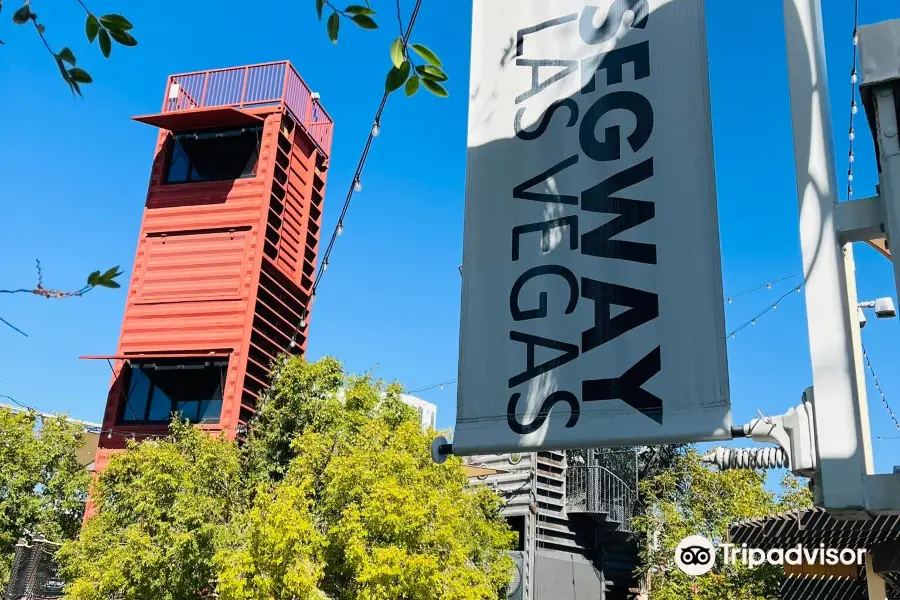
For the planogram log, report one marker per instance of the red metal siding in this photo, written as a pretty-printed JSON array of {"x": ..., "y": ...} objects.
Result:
[{"x": 227, "y": 266}]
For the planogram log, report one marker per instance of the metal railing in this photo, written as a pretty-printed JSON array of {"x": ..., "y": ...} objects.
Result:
[
  {"x": 597, "y": 490},
  {"x": 268, "y": 84},
  {"x": 34, "y": 573}
]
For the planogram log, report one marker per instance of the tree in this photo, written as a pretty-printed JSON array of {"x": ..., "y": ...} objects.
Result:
[
  {"x": 693, "y": 499},
  {"x": 104, "y": 29},
  {"x": 332, "y": 495},
  {"x": 160, "y": 508},
  {"x": 42, "y": 485}
]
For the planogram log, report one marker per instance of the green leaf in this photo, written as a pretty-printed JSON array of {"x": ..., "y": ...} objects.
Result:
[
  {"x": 435, "y": 88},
  {"x": 105, "y": 43},
  {"x": 116, "y": 23},
  {"x": 397, "y": 77},
  {"x": 123, "y": 37},
  {"x": 91, "y": 27},
  {"x": 109, "y": 284},
  {"x": 320, "y": 4},
  {"x": 432, "y": 73},
  {"x": 66, "y": 55},
  {"x": 397, "y": 52},
  {"x": 364, "y": 21},
  {"x": 76, "y": 89},
  {"x": 429, "y": 56},
  {"x": 94, "y": 278},
  {"x": 412, "y": 86},
  {"x": 359, "y": 10},
  {"x": 21, "y": 16},
  {"x": 333, "y": 26},
  {"x": 111, "y": 273},
  {"x": 79, "y": 75}
]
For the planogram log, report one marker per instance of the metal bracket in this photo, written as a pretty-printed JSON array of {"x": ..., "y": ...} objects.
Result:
[{"x": 860, "y": 220}]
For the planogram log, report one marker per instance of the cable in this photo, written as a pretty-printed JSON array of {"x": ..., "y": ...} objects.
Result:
[
  {"x": 770, "y": 308},
  {"x": 355, "y": 186},
  {"x": 854, "y": 108},
  {"x": 431, "y": 387},
  {"x": 767, "y": 284},
  {"x": 878, "y": 387}
]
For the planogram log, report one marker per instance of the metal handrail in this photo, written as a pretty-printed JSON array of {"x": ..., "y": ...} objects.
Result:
[
  {"x": 595, "y": 490},
  {"x": 266, "y": 84}
]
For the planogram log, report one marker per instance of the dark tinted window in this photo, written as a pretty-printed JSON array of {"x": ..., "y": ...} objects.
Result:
[
  {"x": 156, "y": 390},
  {"x": 218, "y": 155}
]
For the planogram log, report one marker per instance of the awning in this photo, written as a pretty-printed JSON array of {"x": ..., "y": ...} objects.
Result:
[
  {"x": 199, "y": 118},
  {"x": 149, "y": 356}
]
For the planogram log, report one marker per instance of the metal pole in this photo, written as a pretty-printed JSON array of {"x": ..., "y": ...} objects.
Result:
[
  {"x": 889, "y": 158},
  {"x": 837, "y": 410}
]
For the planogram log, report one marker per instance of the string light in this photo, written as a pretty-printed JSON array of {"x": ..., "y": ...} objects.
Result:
[
  {"x": 432, "y": 386},
  {"x": 768, "y": 285},
  {"x": 774, "y": 306},
  {"x": 356, "y": 184},
  {"x": 878, "y": 387},
  {"x": 854, "y": 107}
]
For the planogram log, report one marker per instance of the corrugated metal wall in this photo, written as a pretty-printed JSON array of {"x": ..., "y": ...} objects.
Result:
[{"x": 226, "y": 266}]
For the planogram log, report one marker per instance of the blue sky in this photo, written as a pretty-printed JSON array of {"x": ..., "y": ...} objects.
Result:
[{"x": 75, "y": 173}]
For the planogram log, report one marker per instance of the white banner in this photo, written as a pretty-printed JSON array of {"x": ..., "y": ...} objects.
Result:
[{"x": 592, "y": 310}]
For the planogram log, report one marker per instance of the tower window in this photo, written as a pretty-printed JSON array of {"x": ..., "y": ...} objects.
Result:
[
  {"x": 212, "y": 155},
  {"x": 191, "y": 388}
]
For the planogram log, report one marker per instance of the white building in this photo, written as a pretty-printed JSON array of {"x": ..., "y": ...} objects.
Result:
[{"x": 427, "y": 411}]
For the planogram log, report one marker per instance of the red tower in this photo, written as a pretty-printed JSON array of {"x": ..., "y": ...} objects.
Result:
[{"x": 226, "y": 253}]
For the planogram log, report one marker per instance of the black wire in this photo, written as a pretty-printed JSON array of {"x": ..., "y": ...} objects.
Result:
[
  {"x": 431, "y": 387},
  {"x": 772, "y": 307},
  {"x": 356, "y": 177},
  {"x": 853, "y": 86},
  {"x": 761, "y": 286}
]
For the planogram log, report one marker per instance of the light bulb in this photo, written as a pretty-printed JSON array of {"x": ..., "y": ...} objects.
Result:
[
  {"x": 852, "y": 156},
  {"x": 442, "y": 386},
  {"x": 853, "y": 107},
  {"x": 376, "y": 129},
  {"x": 303, "y": 322},
  {"x": 753, "y": 322},
  {"x": 769, "y": 285},
  {"x": 729, "y": 301},
  {"x": 732, "y": 336},
  {"x": 357, "y": 187},
  {"x": 855, "y": 37},
  {"x": 850, "y": 176},
  {"x": 853, "y": 76},
  {"x": 324, "y": 265},
  {"x": 109, "y": 435},
  {"x": 849, "y": 191},
  {"x": 852, "y": 134},
  {"x": 340, "y": 228},
  {"x": 774, "y": 306},
  {"x": 798, "y": 290},
  {"x": 293, "y": 343}
]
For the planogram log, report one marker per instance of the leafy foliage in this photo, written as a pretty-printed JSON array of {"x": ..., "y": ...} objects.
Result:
[
  {"x": 160, "y": 509},
  {"x": 42, "y": 485},
  {"x": 692, "y": 499},
  {"x": 104, "y": 29},
  {"x": 333, "y": 495}
]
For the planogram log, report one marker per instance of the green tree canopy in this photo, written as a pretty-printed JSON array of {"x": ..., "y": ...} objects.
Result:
[
  {"x": 42, "y": 486},
  {"x": 692, "y": 499},
  {"x": 333, "y": 495}
]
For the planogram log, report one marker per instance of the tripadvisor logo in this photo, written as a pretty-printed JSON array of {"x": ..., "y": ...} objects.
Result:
[{"x": 696, "y": 555}]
